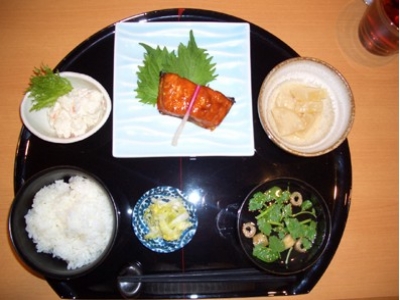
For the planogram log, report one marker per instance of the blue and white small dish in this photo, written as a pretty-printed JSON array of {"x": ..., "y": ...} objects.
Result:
[{"x": 141, "y": 229}]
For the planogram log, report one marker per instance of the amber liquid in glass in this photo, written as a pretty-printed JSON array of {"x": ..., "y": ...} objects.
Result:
[{"x": 379, "y": 28}]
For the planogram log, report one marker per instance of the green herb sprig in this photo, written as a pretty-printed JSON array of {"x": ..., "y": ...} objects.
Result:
[
  {"x": 277, "y": 218},
  {"x": 46, "y": 87},
  {"x": 190, "y": 62}
]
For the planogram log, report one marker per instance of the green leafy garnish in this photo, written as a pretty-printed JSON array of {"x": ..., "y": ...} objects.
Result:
[
  {"x": 287, "y": 221},
  {"x": 46, "y": 87},
  {"x": 190, "y": 62},
  {"x": 149, "y": 72},
  {"x": 265, "y": 253}
]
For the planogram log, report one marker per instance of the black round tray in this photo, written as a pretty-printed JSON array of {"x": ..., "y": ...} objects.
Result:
[{"x": 223, "y": 183}]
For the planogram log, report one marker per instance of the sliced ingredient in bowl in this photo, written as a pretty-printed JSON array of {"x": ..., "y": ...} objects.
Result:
[
  {"x": 302, "y": 113},
  {"x": 166, "y": 219}
]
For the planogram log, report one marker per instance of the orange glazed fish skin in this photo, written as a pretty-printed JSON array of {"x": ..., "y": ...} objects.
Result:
[{"x": 175, "y": 93}]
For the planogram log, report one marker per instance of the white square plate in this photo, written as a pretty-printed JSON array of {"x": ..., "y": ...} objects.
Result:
[{"x": 139, "y": 130}]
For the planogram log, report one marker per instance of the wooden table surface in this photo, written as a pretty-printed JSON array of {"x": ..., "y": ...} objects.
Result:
[{"x": 366, "y": 263}]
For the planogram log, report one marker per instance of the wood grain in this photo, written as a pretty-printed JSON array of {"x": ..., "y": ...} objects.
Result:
[{"x": 366, "y": 263}]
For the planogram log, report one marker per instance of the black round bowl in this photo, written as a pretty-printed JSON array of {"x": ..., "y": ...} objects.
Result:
[
  {"x": 297, "y": 261},
  {"x": 45, "y": 264}
]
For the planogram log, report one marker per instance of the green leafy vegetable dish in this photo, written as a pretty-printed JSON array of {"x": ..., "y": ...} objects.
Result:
[
  {"x": 190, "y": 62},
  {"x": 284, "y": 227}
]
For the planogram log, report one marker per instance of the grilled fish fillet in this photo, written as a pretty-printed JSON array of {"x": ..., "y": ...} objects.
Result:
[{"x": 175, "y": 93}]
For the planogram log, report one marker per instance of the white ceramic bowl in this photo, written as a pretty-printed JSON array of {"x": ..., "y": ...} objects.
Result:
[
  {"x": 37, "y": 121},
  {"x": 337, "y": 116}
]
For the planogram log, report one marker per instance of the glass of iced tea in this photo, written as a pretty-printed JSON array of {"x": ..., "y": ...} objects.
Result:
[{"x": 379, "y": 27}]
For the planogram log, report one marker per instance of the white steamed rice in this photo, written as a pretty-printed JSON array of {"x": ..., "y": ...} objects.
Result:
[{"x": 72, "y": 221}]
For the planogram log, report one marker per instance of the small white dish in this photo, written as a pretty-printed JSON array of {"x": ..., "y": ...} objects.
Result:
[
  {"x": 37, "y": 121},
  {"x": 336, "y": 116}
]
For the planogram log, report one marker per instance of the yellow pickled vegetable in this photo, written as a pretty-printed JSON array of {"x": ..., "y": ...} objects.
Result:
[{"x": 166, "y": 219}]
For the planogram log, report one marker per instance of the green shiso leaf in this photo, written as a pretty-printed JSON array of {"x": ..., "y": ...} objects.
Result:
[
  {"x": 45, "y": 87},
  {"x": 193, "y": 63},
  {"x": 190, "y": 62},
  {"x": 149, "y": 73}
]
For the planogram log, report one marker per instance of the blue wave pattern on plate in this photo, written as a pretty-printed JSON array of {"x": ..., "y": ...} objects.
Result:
[
  {"x": 139, "y": 130},
  {"x": 141, "y": 229}
]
